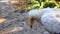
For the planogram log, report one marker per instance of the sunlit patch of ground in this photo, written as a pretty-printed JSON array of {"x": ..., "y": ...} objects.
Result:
[
  {"x": 2, "y": 20},
  {"x": 15, "y": 29}
]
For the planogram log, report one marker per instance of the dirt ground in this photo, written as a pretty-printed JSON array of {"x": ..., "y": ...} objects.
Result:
[{"x": 17, "y": 23}]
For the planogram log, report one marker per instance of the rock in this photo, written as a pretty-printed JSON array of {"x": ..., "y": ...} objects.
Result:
[
  {"x": 5, "y": 9},
  {"x": 46, "y": 32},
  {"x": 51, "y": 21}
]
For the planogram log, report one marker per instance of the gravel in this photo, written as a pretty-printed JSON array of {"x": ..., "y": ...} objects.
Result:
[{"x": 17, "y": 23}]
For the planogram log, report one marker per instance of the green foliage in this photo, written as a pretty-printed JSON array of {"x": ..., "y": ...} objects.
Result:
[
  {"x": 51, "y": 5},
  {"x": 33, "y": 4},
  {"x": 25, "y": 5},
  {"x": 43, "y": 4}
]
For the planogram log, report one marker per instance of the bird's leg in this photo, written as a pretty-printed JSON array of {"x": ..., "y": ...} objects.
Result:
[{"x": 31, "y": 21}]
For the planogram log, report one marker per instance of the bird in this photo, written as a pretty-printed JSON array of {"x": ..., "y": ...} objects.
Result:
[{"x": 42, "y": 16}]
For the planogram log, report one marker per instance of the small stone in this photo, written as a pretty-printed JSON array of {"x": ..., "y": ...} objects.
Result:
[{"x": 46, "y": 32}]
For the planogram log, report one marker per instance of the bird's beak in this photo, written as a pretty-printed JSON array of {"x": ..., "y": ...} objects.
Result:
[{"x": 31, "y": 21}]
